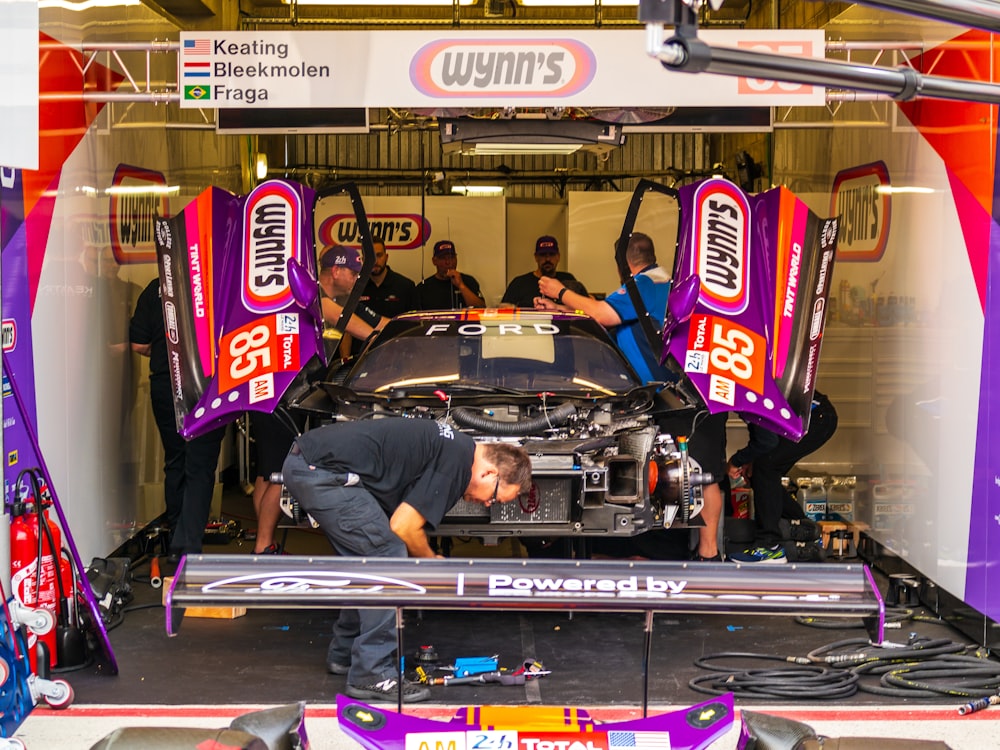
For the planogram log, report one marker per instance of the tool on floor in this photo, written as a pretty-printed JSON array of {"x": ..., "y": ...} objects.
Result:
[{"x": 155, "y": 579}]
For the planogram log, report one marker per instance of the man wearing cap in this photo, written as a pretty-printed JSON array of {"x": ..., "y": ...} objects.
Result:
[
  {"x": 523, "y": 289},
  {"x": 448, "y": 289},
  {"x": 339, "y": 267}
]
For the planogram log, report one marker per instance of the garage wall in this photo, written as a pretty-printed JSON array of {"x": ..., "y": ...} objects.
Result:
[{"x": 84, "y": 268}]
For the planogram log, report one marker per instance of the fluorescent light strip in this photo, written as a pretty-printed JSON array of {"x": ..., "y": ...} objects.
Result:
[
  {"x": 477, "y": 189},
  {"x": 897, "y": 190},
  {"x": 85, "y": 4},
  {"x": 143, "y": 190},
  {"x": 379, "y": 2},
  {"x": 503, "y": 149},
  {"x": 573, "y": 3}
]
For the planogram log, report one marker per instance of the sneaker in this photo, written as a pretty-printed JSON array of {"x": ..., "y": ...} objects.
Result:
[
  {"x": 388, "y": 690},
  {"x": 799, "y": 529},
  {"x": 769, "y": 555},
  {"x": 271, "y": 549},
  {"x": 333, "y": 668}
]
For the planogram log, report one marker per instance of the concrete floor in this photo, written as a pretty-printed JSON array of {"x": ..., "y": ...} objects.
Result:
[{"x": 215, "y": 669}]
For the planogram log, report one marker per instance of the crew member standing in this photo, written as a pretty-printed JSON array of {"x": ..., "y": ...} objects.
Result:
[
  {"x": 765, "y": 460},
  {"x": 448, "y": 288},
  {"x": 707, "y": 437},
  {"x": 387, "y": 292},
  {"x": 374, "y": 487},
  {"x": 523, "y": 289},
  {"x": 189, "y": 466}
]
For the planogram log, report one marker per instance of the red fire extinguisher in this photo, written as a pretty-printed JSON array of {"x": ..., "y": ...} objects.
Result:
[{"x": 35, "y": 565}]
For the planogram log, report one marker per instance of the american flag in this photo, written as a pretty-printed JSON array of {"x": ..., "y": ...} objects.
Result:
[
  {"x": 197, "y": 47},
  {"x": 639, "y": 740}
]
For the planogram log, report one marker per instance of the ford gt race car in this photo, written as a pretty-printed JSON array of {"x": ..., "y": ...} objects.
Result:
[{"x": 742, "y": 331}]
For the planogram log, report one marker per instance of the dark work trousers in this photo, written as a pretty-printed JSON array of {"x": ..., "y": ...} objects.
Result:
[
  {"x": 356, "y": 526},
  {"x": 189, "y": 468},
  {"x": 769, "y": 495}
]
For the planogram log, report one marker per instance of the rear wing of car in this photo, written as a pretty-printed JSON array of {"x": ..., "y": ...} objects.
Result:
[
  {"x": 747, "y": 308},
  {"x": 295, "y": 582},
  {"x": 238, "y": 281}
]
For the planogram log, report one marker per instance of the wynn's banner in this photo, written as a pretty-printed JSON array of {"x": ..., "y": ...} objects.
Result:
[
  {"x": 240, "y": 301},
  {"x": 758, "y": 269}
]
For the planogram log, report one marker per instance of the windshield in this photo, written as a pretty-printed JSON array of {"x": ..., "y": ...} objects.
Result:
[{"x": 509, "y": 353}]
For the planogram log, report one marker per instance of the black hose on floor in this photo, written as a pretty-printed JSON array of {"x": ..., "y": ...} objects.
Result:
[
  {"x": 921, "y": 668},
  {"x": 803, "y": 680}
]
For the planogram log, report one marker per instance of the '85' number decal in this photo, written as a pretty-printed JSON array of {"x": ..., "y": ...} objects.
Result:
[
  {"x": 255, "y": 350},
  {"x": 728, "y": 353}
]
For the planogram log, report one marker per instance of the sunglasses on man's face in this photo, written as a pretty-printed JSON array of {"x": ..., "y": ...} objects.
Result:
[{"x": 496, "y": 489}]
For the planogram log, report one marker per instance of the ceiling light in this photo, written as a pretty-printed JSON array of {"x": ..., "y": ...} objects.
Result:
[
  {"x": 379, "y": 2},
  {"x": 85, "y": 4},
  {"x": 899, "y": 189},
  {"x": 527, "y": 149},
  {"x": 143, "y": 190},
  {"x": 478, "y": 190},
  {"x": 261, "y": 166},
  {"x": 573, "y": 3},
  {"x": 480, "y": 137}
]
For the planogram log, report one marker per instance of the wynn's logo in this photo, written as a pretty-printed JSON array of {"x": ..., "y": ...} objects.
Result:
[
  {"x": 499, "y": 67},
  {"x": 271, "y": 219},
  {"x": 721, "y": 244}
]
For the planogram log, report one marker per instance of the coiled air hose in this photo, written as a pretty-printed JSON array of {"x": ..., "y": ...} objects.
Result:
[
  {"x": 801, "y": 681},
  {"x": 474, "y": 420}
]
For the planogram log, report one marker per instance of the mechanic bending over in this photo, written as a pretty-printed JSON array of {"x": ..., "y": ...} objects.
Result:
[
  {"x": 374, "y": 487},
  {"x": 339, "y": 269},
  {"x": 707, "y": 435}
]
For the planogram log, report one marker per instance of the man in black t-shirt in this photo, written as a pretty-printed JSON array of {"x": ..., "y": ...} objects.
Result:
[
  {"x": 387, "y": 292},
  {"x": 374, "y": 487},
  {"x": 189, "y": 466},
  {"x": 448, "y": 288},
  {"x": 523, "y": 289}
]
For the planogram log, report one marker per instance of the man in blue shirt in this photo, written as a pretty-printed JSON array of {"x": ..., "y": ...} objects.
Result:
[{"x": 617, "y": 313}]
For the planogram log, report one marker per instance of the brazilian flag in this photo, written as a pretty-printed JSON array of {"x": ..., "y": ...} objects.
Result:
[{"x": 197, "y": 93}]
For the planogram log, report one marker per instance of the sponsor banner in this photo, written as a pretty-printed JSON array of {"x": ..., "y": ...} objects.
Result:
[
  {"x": 239, "y": 330},
  {"x": 862, "y": 200},
  {"x": 764, "y": 265},
  {"x": 402, "y": 231},
  {"x": 138, "y": 196},
  {"x": 272, "y": 69}
]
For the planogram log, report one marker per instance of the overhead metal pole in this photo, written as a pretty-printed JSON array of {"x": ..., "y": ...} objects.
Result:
[{"x": 688, "y": 54}]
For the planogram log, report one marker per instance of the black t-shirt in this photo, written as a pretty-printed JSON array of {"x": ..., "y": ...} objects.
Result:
[
  {"x": 523, "y": 289},
  {"x": 440, "y": 294},
  {"x": 417, "y": 461},
  {"x": 394, "y": 296},
  {"x": 146, "y": 327}
]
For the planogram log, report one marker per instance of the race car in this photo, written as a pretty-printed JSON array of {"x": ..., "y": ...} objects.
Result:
[
  {"x": 553, "y": 383},
  {"x": 742, "y": 333}
]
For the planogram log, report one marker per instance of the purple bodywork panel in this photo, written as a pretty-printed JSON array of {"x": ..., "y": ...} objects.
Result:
[
  {"x": 750, "y": 340},
  {"x": 500, "y": 727},
  {"x": 241, "y": 318}
]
